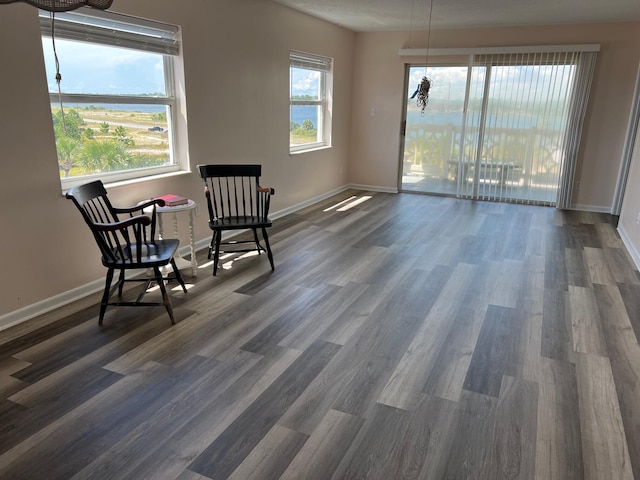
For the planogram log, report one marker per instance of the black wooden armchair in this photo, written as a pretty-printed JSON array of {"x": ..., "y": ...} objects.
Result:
[
  {"x": 236, "y": 201},
  {"x": 126, "y": 244}
]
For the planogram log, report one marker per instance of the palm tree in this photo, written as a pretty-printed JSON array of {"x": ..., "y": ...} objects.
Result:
[
  {"x": 68, "y": 149},
  {"x": 104, "y": 156}
]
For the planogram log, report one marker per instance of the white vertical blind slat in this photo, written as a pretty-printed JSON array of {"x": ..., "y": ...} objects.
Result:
[
  {"x": 532, "y": 119},
  {"x": 580, "y": 96},
  {"x": 109, "y": 28}
]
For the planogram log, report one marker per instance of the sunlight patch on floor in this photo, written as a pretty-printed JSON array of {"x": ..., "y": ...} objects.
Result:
[
  {"x": 339, "y": 204},
  {"x": 228, "y": 265},
  {"x": 358, "y": 201}
]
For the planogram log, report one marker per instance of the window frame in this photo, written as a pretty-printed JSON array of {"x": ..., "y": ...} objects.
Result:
[
  {"x": 90, "y": 26},
  {"x": 324, "y": 65}
]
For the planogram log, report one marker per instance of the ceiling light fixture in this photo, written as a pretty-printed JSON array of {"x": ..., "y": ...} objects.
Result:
[
  {"x": 54, "y": 6},
  {"x": 422, "y": 92},
  {"x": 64, "y": 5}
]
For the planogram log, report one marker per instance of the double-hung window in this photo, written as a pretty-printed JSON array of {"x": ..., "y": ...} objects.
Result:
[
  {"x": 114, "y": 109},
  {"x": 310, "y": 86}
]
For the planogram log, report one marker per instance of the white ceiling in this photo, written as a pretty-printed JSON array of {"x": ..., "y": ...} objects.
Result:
[{"x": 372, "y": 15}]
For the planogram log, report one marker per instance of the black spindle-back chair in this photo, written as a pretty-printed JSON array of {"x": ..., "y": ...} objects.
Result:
[
  {"x": 126, "y": 244},
  {"x": 236, "y": 201}
]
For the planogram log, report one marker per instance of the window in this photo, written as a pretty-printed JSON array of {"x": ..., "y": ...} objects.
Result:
[
  {"x": 113, "y": 113},
  {"x": 501, "y": 126},
  {"x": 310, "y": 84}
]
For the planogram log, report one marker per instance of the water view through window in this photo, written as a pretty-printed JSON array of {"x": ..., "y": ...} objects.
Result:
[
  {"x": 507, "y": 146},
  {"x": 115, "y": 112},
  {"x": 310, "y": 81}
]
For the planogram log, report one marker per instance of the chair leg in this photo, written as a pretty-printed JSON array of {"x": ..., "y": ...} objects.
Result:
[
  {"x": 212, "y": 245},
  {"x": 165, "y": 297},
  {"x": 121, "y": 282},
  {"x": 266, "y": 242},
  {"x": 105, "y": 295},
  {"x": 255, "y": 238},
  {"x": 178, "y": 275},
  {"x": 216, "y": 252}
]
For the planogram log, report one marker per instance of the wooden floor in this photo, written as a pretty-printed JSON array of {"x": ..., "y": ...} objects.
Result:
[{"x": 408, "y": 337}]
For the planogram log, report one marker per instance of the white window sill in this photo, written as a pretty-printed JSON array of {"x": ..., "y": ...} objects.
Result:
[
  {"x": 146, "y": 179},
  {"x": 132, "y": 181},
  {"x": 310, "y": 149}
]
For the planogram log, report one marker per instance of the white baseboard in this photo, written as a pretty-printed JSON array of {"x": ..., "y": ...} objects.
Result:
[
  {"x": 18, "y": 316},
  {"x": 307, "y": 203},
  {"x": 324, "y": 196},
  {"x": 30, "y": 311},
  {"x": 635, "y": 255},
  {"x": 26, "y": 313},
  {"x": 373, "y": 188},
  {"x": 591, "y": 208}
]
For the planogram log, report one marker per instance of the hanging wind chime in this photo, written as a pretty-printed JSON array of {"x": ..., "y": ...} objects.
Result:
[
  {"x": 422, "y": 92},
  {"x": 63, "y": 5},
  {"x": 54, "y": 6}
]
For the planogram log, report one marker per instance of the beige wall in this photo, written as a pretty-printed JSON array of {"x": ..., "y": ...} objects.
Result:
[
  {"x": 379, "y": 80},
  {"x": 628, "y": 225},
  {"x": 236, "y": 51},
  {"x": 236, "y": 57}
]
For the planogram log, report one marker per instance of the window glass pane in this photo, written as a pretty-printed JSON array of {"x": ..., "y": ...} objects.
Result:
[
  {"x": 432, "y": 136},
  {"x": 304, "y": 124},
  {"x": 305, "y": 84},
  {"x": 309, "y": 86},
  {"x": 104, "y": 70},
  {"x": 100, "y": 138}
]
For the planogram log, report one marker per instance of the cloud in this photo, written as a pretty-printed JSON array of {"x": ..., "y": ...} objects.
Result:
[
  {"x": 90, "y": 68},
  {"x": 304, "y": 82}
]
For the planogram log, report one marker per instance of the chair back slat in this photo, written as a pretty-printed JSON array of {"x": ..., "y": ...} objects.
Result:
[
  {"x": 116, "y": 246},
  {"x": 125, "y": 245},
  {"x": 232, "y": 191},
  {"x": 236, "y": 201}
]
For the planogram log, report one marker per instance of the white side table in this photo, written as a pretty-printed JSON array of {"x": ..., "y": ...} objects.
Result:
[{"x": 190, "y": 207}]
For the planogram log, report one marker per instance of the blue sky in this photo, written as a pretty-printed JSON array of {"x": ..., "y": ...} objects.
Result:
[
  {"x": 507, "y": 82},
  {"x": 96, "y": 69},
  {"x": 304, "y": 82}
]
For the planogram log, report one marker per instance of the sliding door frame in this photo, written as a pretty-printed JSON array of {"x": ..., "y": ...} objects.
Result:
[{"x": 569, "y": 150}]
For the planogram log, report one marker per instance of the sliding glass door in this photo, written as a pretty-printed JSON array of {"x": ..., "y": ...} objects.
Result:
[
  {"x": 496, "y": 129},
  {"x": 432, "y": 138}
]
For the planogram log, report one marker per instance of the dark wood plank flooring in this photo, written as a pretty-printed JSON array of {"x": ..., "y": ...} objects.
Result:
[{"x": 408, "y": 337}]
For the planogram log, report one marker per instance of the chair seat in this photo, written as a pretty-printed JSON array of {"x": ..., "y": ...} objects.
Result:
[
  {"x": 236, "y": 201},
  {"x": 235, "y": 223},
  {"x": 126, "y": 239},
  {"x": 156, "y": 253}
]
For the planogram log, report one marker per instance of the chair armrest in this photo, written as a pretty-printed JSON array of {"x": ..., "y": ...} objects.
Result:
[
  {"x": 142, "y": 220},
  {"x": 264, "y": 200},
  {"x": 140, "y": 207},
  {"x": 268, "y": 190}
]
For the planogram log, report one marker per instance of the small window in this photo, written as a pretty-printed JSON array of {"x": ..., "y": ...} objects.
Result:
[
  {"x": 310, "y": 85},
  {"x": 113, "y": 114}
]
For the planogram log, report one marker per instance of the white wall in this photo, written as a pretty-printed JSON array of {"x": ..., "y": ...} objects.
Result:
[
  {"x": 236, "y": 84},
  {"x": 236, "y": 66},
  {"x": 379, "y": 82},
  {"x": 629, "y": 227}
]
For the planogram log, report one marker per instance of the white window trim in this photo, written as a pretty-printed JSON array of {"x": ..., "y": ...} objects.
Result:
[
  {"x": 322, "y": 64},
  {"x": 96, "y": 26},
  {"x": 92, "y": 26}
]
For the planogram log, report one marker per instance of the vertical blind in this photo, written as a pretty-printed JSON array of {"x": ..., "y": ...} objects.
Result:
[
  {"x": 309, "y": 61},
  {"x": 114, "y": 29},
  {"x": 523, "y": 124},
  {"x": 585, "y": 66}
]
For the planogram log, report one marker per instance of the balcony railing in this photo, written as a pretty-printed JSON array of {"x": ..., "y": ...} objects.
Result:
[{"x": 522, "y": 159}]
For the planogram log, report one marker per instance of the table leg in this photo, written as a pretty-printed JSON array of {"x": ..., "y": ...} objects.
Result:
[
  {"x": 194, "y": 263},
  {"x": 175, "y": 225},
  {"x": 159, "y": 218}
]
